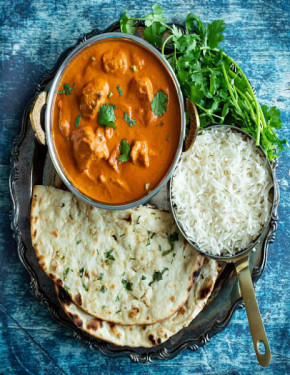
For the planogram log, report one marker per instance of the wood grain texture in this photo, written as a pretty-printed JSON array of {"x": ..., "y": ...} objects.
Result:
[{"x": 32, "y": 35}]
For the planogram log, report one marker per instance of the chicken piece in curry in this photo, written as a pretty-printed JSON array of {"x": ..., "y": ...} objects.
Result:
[{"x": 116, "y": 121}]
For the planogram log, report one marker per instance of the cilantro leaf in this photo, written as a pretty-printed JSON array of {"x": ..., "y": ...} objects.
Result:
[
  {"x": 127, "y": 24},
  {"x": 214, "y": 32},
  {"x": 186, "y": 43},
  {"x": 102, "y": 289},
  {"x": 77, "y": 122},
  {"x": 66, "y": 89},
  {"x": 106, "y": 116},
  {"x": 196, "y": 92},
  {"x": 272, "y": 116},
  {"x": 155, "y": 16},
  {"x": 82, "y": 270},
  {"x": 125, "y": 150},
  {"x": 193, "y": 23},
  {"x": 128, "y": 119},
  {"x": 65, "y": 273},
  {"x": 108, "y": 255},
  {"x": 153, "y": 33},
  {"x": 176, "y": 32},
  {"x": 157, "y": 276},
  {"x": 120, "y": 91},
  {"x": 154, "y": 23},
  {"x": 159, "y": 103},
  {"x": 127, "y": 285}
]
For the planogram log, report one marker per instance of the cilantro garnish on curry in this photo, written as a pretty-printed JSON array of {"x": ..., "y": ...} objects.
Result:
[{"x": 106, "y": 126}]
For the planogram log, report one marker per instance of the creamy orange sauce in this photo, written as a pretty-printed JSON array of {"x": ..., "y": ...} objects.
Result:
[{"x": 88, "y": 152}]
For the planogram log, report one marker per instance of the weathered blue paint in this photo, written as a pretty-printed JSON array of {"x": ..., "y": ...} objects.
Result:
[{"x": 33, "y": 34}]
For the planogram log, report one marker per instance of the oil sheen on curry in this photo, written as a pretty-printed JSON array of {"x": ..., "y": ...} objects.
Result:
[{"x": 116, "y": 121}]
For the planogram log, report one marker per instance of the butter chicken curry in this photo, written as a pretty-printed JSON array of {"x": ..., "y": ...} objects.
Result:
[{"x": 116, "y": 121}]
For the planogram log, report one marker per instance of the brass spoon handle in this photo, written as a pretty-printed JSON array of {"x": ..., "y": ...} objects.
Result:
[{"x": 254, "y": 317}]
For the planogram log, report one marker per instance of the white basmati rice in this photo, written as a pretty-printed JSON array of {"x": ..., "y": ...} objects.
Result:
[{"x": 220, "y": 189}]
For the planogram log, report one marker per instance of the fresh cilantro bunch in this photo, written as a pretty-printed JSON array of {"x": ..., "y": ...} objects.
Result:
[{"x": 209, "y": 77}]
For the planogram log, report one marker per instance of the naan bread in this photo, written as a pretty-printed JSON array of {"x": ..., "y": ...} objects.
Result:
[
  {"x": 127, "y": 267},
  {"x": 149, "y": 335}
]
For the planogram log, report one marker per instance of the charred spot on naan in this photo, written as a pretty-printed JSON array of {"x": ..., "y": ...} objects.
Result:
[
  {"x": 34, "y": 234},
  {"x": 154, "y": 341},
  {"x": 95, "y": 324},
  {"x": 182, "y": 311},
  {"x": 76, "y": 319},
  {"x": 206, "y": 290},
  {"x": 63, "y": 296},
  {"x": 78, "y": 299}
]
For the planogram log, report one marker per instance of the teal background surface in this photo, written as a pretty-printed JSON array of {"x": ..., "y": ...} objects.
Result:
[{"x": 32, "y": 36}]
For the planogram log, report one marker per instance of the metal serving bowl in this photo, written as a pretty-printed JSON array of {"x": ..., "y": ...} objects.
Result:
[{"x": 47, "y": 137}]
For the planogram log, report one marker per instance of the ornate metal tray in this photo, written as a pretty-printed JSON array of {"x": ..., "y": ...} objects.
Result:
[{"x": 30, "y": 165}]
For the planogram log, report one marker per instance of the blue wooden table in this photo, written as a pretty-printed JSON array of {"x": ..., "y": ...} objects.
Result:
[{"x": 32, "y": 35}]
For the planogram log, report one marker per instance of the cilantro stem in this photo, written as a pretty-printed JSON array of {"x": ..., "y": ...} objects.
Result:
[
  {"x": 165, "y": 25},
  {"x": 235, "y": 91},
  {"x": 257, "y": 106},
  {"x": 165, "y": 42},
  {"x": 258, "y": 119},
  {"x": 136, "y": 19},
  {"x": 230, "y": 90},
  {"x": 205, "y": 70},
  {"x": 143, "y": 19},
  {"x": 262, "y": 116},
  {"x": 175, "y": 57},
  {"x": 205, "y": 110},
  {"x": 247, "y": 97},
  {"x": 248, "y": 102}
]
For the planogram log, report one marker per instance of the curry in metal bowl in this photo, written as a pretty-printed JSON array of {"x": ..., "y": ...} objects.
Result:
[{"x": 117, "y": 121}]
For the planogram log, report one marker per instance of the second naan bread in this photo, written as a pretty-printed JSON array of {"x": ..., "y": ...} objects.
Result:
[{"x": 129, "y": 267}]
